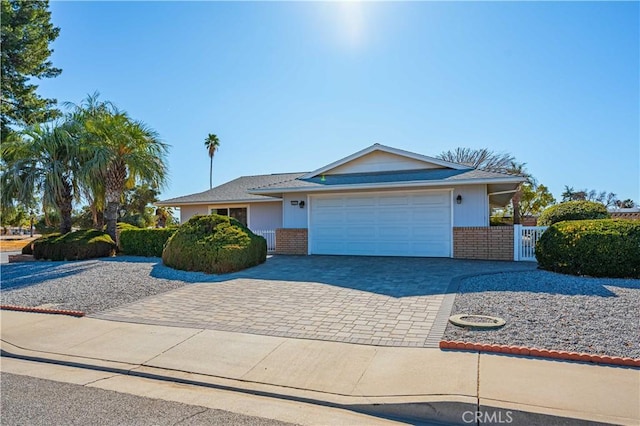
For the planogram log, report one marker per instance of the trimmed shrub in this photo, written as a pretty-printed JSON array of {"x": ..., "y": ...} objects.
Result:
[
  {"x": 121, "y": 226},
  {"x": 85, "y": 244},
  {"x": 28, "y": 249},
  {"x": 144, "y": 242},
  {"x": 598, "y": 248},
  {"x": 573, "y": 210},
  {"x": 214, "y": 244}
]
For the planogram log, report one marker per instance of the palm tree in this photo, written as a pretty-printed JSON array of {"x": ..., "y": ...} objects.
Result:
[
  {"x": 117, "y": 152},
  {"x": 91, "y": 186},
  {"x": 212, "y": 143},
  {"x": 43, "y": 161}
]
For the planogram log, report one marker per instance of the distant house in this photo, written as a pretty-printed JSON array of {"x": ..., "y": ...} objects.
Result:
[
  {"x": 380, "y": 201},
  {"x": 629, "y": 213}
]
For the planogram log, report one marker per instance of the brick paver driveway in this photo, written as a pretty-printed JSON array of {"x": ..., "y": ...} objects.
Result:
[{"x": 386, "y": 301}]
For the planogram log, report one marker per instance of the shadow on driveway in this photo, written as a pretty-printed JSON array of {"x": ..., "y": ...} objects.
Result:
[{"x": 389, "y": 276}]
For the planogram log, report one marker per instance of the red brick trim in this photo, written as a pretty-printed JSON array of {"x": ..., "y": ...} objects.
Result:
[
  {"x": 292, "y": 241},
  {"x": 483, "y": 242},
  {"x": 540, "y": 353},
  {"x": 42, "y": 310},
  {"x": 625, "y": 215}
]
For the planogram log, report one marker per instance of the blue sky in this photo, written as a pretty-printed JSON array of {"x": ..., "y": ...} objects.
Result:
[{"x": 293, "y": 86}]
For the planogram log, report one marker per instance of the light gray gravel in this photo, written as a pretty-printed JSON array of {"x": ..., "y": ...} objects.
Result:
[
  {"x": 547, "y": 310},
  {"x": 91, "y": 285},
  {"x": 542, "y": 309}
]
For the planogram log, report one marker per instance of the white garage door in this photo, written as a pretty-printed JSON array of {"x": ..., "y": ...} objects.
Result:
[{"x": 382, "y": 224}]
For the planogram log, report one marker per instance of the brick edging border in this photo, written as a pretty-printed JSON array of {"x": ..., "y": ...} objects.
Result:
[
  {"x": 42, "y": 310},
  {"x": 540, "y": 353}
]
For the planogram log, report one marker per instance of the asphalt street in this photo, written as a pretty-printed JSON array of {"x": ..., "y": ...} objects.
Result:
[{"x": 30, "y": 401}]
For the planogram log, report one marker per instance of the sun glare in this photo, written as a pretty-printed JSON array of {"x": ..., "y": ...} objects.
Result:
[
  {"x": 343, "y": 22},
  {"x": 350, "y": 22}
]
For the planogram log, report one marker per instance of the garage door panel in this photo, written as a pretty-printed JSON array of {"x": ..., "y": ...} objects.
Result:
[
  {"x": 367, "y": 202},
  {"x": 361, "y": 233},
  {"x": 393, "y": 216},
  {"x": 330, "y": 232},
  {"x": 401, "y": 232},
  {"x": 393, "y": 200},
  {"x": 321, "y": 203},
  {"x": 417, "y": 224},
  {"x": 360, "y": 215},
  {"x": 430, "y": 199}
]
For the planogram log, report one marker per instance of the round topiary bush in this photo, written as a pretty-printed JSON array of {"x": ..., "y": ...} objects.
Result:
[
  {"x": 598, "y": 248},
  {"x": 573, "y": 210},
  {"x": 214, "y": 244},
  {"x": 78, "y": 245}
]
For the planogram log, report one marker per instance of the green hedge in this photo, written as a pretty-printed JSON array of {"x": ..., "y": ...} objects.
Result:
[
  {"x": 28, "y": 248},
  {"x": 85, "y": 244},
  {"x": 121, "y": 226},
  {"x": 598, "y": 248},
  {"x": 144, "y": 242},
  {"x": 573, "y": 210},
  {"x": 214, "y": 244}
]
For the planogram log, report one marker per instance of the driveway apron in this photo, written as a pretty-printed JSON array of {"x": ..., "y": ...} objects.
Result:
[{"x": 383, "y": 301}]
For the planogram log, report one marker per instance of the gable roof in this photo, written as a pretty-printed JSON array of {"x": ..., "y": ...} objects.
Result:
[
  {"x": 262, "y": 188},
  {"x": 233, "y": 191},
  {"x": 383, "y": 148},
  {"x": 421, "y": 178}
]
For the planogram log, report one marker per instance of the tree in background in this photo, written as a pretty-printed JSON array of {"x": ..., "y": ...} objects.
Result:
[
  {"x": 136, "y": 206},
  {"x": 43, "y": 161},
  {"x": 165, "y": 217},
  {"x": 609, "y": 199},
  {"x": 535, "y": 198},
  {"x": 27, "y": 32},
  {"x": 212, "y": 143},
  {"x": 494, "y": 162},
  {"x": 625, "y": 204},
  {"x": 480, "y": 159}
]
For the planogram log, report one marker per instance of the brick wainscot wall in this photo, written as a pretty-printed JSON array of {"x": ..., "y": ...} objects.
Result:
[
  {"x": 291, "y": 241},
  {"x": 483, "y": 242}
]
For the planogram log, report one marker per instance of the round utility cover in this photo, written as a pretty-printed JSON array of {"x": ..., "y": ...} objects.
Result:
[{"x": 476, "y": 321}]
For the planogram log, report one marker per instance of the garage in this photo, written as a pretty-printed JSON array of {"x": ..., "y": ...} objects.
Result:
[{"x": 414, "y": 223}]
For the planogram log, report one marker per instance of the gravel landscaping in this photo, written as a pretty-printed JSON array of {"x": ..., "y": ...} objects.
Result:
[
  {"x": 546, "y": 310},
  {"x": 542, "y": 309},
  {"x": 91, "y": 285}
]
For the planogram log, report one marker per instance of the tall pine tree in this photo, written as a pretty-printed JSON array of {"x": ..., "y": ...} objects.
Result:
[{"x": 27, "y": 32}]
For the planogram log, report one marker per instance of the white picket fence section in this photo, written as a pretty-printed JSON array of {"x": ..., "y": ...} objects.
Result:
[
  {"x": 270, "y": 236},
  {"x": 525, "y": 239}
]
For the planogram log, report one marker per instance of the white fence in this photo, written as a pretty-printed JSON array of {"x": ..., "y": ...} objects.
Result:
[
  {"x": 524, "y": 241},
  {"x": 270, "y": 236}
]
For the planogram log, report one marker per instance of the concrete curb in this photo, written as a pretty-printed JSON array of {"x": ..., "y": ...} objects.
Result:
[
  {"x": 436, "y": 409},
  {"x": 42, "y": 310},
  {"x": 540, "y": 353}
]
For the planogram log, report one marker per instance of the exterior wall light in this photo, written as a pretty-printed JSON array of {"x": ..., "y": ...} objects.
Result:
[
  {"x": 301, "y": 204},
  {"x": 459, "y": 199}
]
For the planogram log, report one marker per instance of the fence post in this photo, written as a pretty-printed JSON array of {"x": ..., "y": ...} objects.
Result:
[{"x": 517, "y": 241}]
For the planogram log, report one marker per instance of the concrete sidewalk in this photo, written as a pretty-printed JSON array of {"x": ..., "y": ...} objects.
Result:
[{"x": 412, "y": 383}]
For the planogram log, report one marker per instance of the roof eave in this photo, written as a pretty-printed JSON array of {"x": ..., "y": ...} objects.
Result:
[
  {"x": 391, "y": 185},
  {"x": 168, "y": 203}
]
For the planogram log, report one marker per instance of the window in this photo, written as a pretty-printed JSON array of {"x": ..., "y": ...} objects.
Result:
[{"x": 238, "y": 213}]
